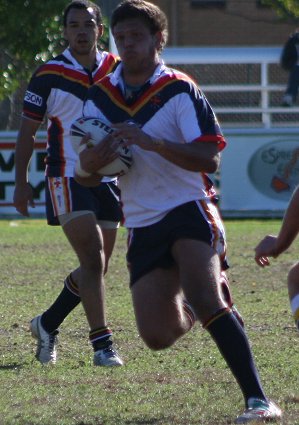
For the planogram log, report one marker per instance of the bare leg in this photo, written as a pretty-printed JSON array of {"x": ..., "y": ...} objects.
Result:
[
  {"x": 293, "y": 288},
  {"x": 200, "y": 277},
  {"x": 69, "y": 297},
  {"x": 157, "y": 300},
  {"x": 293, "y": 281},
  {"x": 85, "y": 237},
  {"x": 157, "y": 296},
  {"x": 109, "y": 238}
]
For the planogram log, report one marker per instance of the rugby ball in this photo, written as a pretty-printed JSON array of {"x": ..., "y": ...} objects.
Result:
[{"x": 98, "y": 130}]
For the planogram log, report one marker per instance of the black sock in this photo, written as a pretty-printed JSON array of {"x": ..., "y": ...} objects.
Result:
[
  {"x": 234, "y": 346},
  {"x": 100, "y": 338},
  {"x": 53, "y": 317}
]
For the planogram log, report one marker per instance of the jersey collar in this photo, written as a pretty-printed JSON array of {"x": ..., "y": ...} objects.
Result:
[
  {"x": 117, "y": 78},
  {"x": 77, "y": 65}
]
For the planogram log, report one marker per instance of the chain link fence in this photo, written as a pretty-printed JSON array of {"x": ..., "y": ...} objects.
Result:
[{"x": 245, "y": 86}]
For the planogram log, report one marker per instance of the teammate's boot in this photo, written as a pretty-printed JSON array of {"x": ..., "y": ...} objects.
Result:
[
  {"x": 46, "y": 349},
  {"x": 107, "y": 356}
]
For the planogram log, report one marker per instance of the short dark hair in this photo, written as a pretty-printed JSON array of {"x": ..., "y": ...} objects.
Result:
[
  {"x": 83, "y": 4},
  {"x": 152, "y": 16}
]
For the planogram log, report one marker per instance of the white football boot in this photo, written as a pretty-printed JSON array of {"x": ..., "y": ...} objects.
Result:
[{"x": 46, "y": 349}]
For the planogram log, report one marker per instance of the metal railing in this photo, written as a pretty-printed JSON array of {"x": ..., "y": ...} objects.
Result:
[{"x": 267, "y": 86}]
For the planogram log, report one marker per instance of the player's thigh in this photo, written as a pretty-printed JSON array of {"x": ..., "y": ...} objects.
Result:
[
  {"x": 199, "y": 269},
  {"x": 156, "y": 298},
  {"x": 84, "y": 235},
  {"x": 108, "y": 213}
]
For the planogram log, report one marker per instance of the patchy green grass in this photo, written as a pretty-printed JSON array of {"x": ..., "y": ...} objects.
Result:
[{"x": 185, "y": 385}]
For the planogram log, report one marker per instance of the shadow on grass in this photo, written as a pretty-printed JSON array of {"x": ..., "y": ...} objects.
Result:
[
  {"x": 154, "y": 421},
  {"x": 11, "y": 366},
  {"x": 133, "y": 422}
]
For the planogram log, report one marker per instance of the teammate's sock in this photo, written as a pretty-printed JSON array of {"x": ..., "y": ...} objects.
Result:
[
  {"x": 100, "y": 338},
  {"x": 233, "y": 344},
  {"x": 66, "y": 302},
  {"x": 295, "y": 309}
]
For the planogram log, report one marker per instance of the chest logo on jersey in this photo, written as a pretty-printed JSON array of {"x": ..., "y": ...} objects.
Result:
[{"x": 33, "y": 98}]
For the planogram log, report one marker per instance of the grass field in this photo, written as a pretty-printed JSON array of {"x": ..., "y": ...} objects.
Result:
[{"x": 186, "y": 385}]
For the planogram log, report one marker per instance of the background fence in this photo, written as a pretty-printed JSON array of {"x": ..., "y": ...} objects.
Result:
[{"x": 244, "y": 84}]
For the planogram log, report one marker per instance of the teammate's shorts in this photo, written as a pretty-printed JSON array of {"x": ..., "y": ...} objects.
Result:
[
  {"x": 150, "y": 247},
  {"x": 65, "y": 196}
]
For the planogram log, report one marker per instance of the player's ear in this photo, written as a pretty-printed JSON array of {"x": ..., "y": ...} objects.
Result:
[
  {"x": 100, "y": 30},
  {"x": 159, "y": 40}
]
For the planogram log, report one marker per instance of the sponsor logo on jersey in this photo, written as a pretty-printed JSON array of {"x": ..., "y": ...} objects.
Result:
[{"x": 33, "y": 98}]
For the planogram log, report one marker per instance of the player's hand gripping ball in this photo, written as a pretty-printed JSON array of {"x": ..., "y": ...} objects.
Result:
[{"x": 98, "y": 130}]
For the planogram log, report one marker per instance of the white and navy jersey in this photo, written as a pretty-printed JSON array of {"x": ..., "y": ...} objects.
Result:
[
  {"x": 57, "y": 91},
  {"x": 173, "y": 108}
]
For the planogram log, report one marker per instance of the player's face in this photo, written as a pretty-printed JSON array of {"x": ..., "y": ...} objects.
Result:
[
  {"x": 81, "y": 31},
  {"x": 137, "y": 47}
]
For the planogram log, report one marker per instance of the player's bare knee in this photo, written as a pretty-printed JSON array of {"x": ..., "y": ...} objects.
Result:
[
  {"x": 92, "y": 259},
  {"x": 158, "y": 342},
  {"x": 92, "y": 266},
  {"x": 157, "y": 345}
]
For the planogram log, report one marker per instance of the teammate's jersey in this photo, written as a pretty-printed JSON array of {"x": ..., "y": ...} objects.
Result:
[
  {"x": 57, "y": 91},
  {"x": 170, "y": 107}
]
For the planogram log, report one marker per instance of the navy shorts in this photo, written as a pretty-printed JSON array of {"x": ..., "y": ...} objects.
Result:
[
  {"x": 150, "y": 247},
  {"x": 65, "y": 195}
]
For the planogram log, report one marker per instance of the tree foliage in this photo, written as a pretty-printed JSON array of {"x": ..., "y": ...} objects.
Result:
[
  {"x": 285, "y": 8},
  {"x": 30, "y": 33}
]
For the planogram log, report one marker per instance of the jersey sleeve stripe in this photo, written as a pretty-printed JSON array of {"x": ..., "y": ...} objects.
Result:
[
  {"x": 32, "y": 115},
  {"x": 214, "y": 138}
]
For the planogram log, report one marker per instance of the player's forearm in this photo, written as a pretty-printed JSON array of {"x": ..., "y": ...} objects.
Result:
[
  {"x": 190, "y": 156},
  {"x": 24, "y": 149},
  {"x": 23, "y": 154}
]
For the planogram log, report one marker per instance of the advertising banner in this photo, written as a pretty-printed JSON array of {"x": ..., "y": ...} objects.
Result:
[
  {"x": 259, "y": 171},
  {"x": 7, "y": 173}
]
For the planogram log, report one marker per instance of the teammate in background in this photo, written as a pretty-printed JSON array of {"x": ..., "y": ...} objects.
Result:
[
  {"x": 89, "y": 217},
  {"x": 176, "y": 239},
  {"x": 273, "y": 246}
]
